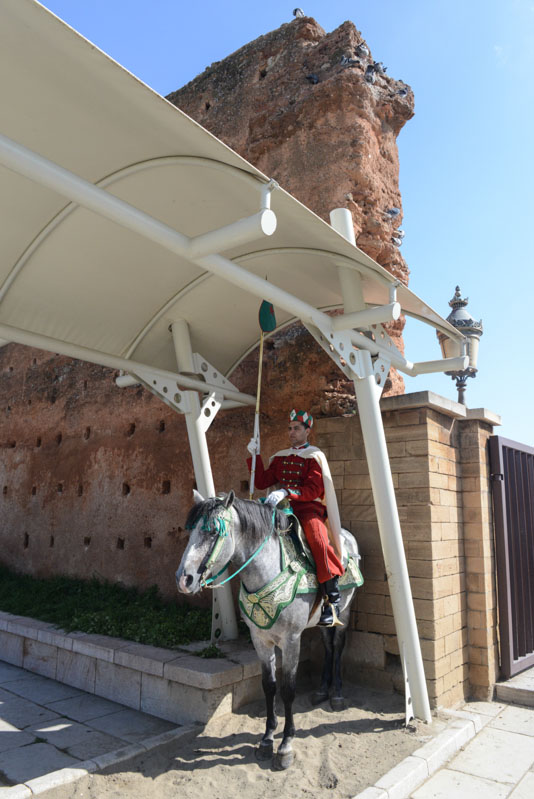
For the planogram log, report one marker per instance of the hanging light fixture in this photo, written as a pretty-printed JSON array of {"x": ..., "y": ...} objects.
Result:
[{"x": 462, "y": 320}]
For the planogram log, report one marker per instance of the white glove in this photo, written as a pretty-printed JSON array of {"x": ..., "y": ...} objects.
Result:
[
  {"x": 253, "y": 446},
  {"x": 276, "y": 496}
]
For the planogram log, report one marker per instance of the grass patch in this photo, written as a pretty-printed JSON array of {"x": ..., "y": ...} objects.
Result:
[{"x": 93, "y": 606}]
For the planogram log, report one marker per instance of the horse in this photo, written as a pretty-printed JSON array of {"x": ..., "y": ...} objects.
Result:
[{"x": 226, "y": 530}]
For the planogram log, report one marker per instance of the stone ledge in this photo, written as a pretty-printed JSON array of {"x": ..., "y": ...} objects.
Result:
[
  {"x": 484, "y": 415},
  {"x": 424, "y": 399},
  {"x": 428, "y": 399},
  {"x": 172, "y": 684}
]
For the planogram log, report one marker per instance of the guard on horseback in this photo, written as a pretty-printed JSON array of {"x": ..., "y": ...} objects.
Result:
[{"x": 302, "y": 474}]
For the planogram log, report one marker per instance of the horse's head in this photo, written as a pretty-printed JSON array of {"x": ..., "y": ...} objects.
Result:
[{"x": 211, "y": 544}]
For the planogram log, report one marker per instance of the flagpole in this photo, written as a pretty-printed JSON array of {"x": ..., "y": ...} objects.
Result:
[
  {"x": 267, "y": 322},
  {"x": 256, "y": 419}
]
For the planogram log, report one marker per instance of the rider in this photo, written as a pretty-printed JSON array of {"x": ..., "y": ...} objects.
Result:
[{"x": 303, "y": 475}]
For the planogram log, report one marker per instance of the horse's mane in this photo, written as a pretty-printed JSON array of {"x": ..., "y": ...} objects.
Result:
[{"x": 255, "y": 518}]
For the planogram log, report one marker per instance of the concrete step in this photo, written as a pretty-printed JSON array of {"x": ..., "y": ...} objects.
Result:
[{"x": 518, "y": 690}]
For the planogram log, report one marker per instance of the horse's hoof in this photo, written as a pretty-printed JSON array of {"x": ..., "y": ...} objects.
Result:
[
  {"x": 282, "y": 762},
  {"x": 319, "y": 696},
  {"x": 338, "y": 703},
  {"x": 264, "y": 751}
]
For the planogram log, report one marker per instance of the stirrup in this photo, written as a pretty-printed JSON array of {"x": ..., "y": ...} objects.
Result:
[{"x": 335, "y": 618}]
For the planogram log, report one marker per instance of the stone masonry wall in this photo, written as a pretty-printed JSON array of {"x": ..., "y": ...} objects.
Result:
[
  {"x": 439, "y": 465},
  {"x": 93, "y": 479},
  {"x": 480, "y": 568}
]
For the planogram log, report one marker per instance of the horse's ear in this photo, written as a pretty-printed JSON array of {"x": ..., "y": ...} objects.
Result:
[
  {"x": 197, "y": 497},
  {"x": 229, "y": 500}
]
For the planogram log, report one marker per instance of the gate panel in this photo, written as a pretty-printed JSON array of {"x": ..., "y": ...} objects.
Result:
[{"x": 512, "y": 478}]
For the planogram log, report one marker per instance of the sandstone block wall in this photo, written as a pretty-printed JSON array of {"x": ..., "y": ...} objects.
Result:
[{"x": 439, "y": 466}]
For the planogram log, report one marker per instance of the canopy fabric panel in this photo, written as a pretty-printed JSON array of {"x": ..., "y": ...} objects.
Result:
[{"x": 70, "y": 274}]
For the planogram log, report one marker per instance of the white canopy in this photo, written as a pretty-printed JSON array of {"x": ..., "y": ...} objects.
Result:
[{"x": 68, "y": 273}]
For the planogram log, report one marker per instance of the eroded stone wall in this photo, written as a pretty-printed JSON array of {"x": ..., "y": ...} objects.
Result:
[{"x": 291, "y": 104}]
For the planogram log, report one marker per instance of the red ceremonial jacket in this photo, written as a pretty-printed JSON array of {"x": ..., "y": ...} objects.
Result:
[{"x": 301, "y": 477}]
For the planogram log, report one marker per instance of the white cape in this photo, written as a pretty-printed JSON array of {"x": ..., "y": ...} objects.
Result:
[{"x": 330, "y": 499}]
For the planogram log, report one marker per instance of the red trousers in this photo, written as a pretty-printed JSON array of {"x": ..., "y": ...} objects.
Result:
[{"x": 311, "y": 515}]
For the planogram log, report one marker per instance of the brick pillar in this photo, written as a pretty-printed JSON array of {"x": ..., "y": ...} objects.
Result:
[
  {"x": 479, "y": 558},
  {"x": 439, "y": 465}
]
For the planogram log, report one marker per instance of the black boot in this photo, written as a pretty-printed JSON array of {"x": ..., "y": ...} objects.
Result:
[{"x": 330, "y": 612}]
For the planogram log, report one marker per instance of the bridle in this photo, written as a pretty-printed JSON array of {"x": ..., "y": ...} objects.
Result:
[{"x": 222, "y": 526}]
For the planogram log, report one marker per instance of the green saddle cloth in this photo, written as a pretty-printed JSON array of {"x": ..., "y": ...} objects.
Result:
[{"x": 298, "y": 576}]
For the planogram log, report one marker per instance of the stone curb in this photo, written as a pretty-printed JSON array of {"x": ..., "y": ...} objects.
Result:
[
  {"x": 176, "y": 665},
  {"x": 171, "y": 684},
  {"x": 411, "y": 772},
  {"x": 64, "y": 776}
]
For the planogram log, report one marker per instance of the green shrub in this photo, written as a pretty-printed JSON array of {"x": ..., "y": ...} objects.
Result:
[{"x": 93, "y": 606}]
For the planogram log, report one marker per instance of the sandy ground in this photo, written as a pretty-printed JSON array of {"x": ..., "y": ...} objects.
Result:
[{"x": 338, "y": 754}]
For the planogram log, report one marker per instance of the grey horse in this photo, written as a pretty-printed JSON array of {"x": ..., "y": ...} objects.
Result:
[{"x": 226, "y": 530}]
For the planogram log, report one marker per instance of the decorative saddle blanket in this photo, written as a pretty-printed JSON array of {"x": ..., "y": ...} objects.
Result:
[{"x": 298, "y": 576}]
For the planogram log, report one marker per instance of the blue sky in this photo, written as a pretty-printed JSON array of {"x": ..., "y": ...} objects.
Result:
[{"x": 467, "y": 171}]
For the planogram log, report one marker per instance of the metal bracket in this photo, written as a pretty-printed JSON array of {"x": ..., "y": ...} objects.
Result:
[
  {"x": 210, "y": 407},
  {"x": 166, "y": 390},
  {"x": 339, "y": 346},
  {"x": 381, "y": 363},
  {"x": 178, "y": 400},
  {"x": 204, "y": 368},
  {"x": 212, "y": 403}
]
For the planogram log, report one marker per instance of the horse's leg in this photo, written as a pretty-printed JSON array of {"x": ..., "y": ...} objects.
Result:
[
  {"x": 327, "y": 634},
  {"x": 290, "y": 661},
  {"x": 268, "y": 680},
  {"x": 337, "y": 702}
]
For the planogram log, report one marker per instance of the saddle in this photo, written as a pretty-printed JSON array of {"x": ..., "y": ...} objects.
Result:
[{"x": 297, "y": 576}]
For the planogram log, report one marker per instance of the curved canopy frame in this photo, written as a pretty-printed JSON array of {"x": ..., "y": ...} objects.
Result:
[{"x": 70, "y": 274}]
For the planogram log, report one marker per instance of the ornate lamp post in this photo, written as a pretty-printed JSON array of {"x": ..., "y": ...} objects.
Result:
[{"x": 472, "y": 330}]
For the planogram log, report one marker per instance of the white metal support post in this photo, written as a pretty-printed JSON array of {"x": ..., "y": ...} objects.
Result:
[
  {"x": 368, "y": 391},
  {"x": 223, "y": 620},
  {"x": 368, "y": 398}
]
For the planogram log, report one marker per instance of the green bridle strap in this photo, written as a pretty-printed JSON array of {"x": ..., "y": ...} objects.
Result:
[
  {"x": 221, "y": 526},
  {"x": 223, "y": 533}
]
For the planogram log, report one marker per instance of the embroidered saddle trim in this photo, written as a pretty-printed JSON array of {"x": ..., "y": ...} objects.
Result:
[{"x": 297, "y": 577}]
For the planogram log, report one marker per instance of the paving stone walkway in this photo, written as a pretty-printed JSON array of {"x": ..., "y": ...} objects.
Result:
[
  {"x": 497, "y": 763},
  {"x": 46, "y": 725}
]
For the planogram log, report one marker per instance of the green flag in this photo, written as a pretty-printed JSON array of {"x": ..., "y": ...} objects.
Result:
[{"x": 266, "y": 317}]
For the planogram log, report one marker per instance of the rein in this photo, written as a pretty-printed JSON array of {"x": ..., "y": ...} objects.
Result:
[{"x": 222, "y": 526}]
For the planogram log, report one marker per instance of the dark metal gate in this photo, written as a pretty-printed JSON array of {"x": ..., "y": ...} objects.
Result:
[{"x": 512, "y": 473}]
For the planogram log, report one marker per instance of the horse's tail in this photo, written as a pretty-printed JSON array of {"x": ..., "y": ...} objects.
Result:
[{"x": 350, "y": 544}]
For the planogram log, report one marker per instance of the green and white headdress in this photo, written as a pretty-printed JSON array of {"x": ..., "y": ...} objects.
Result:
[{"x": 301, "y": 416}]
